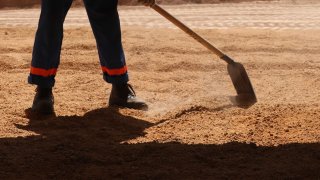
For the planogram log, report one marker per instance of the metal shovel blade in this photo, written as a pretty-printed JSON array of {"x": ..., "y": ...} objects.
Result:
[
  {"x": 242, "y": 84},
  {"x": 238, "y": 74}
]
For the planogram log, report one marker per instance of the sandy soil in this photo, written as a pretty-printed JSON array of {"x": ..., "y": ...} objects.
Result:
[
  {"x": 263, "y": 15},
  {"x": 36, "y": 3},
  {"x": 192, "y": 129},
  {"x": 33, "y": 3}
]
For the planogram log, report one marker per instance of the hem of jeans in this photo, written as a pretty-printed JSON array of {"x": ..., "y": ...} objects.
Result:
[
  {"x": 41, "y": 83},
  {"x": 116, "y": 79}
]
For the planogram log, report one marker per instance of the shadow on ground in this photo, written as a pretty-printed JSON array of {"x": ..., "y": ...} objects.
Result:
[{"x": 90, "y": 147}]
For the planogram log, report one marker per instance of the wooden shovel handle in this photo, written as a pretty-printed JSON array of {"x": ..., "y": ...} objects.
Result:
[{"x": 186, "y": 29}]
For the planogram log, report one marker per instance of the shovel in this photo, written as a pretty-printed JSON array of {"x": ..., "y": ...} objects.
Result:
[{"x": 240, "y": 79}]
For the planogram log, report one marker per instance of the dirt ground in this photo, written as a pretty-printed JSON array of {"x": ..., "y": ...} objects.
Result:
[
  {"x": 192, "y": 130},
  {"x": 5, "y": 4},
  {"x": 35, "y": 3}
]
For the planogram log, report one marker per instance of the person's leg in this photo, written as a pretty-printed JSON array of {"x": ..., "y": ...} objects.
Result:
[
  {"x": 46, "y": 53},
  {"x": 105, "y": 23},
  {"x": 48, "y": 41}
]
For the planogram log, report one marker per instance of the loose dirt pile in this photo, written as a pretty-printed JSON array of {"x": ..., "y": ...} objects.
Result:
[{"x": 192, "y": 129}]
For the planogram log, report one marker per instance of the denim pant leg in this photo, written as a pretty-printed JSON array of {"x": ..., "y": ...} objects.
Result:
[
  {"x": 105, "y": 23},
  {"x": 48, "y": 41}
]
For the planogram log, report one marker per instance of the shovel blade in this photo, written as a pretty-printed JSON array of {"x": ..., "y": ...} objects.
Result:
[{"x": 242, "y": 84}]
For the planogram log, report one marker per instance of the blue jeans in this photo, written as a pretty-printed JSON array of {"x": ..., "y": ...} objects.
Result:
[{"x": 105, "y": 23}]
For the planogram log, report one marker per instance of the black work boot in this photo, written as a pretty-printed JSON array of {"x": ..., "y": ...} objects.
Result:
[
  {"x": 43, "y": 101},
  {"x": 123, "y": 95}
]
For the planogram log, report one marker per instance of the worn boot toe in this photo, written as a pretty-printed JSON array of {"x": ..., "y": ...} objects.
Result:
[
  {"x": 43, "y": 102},
  {"x": 124, "y": 96}
]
